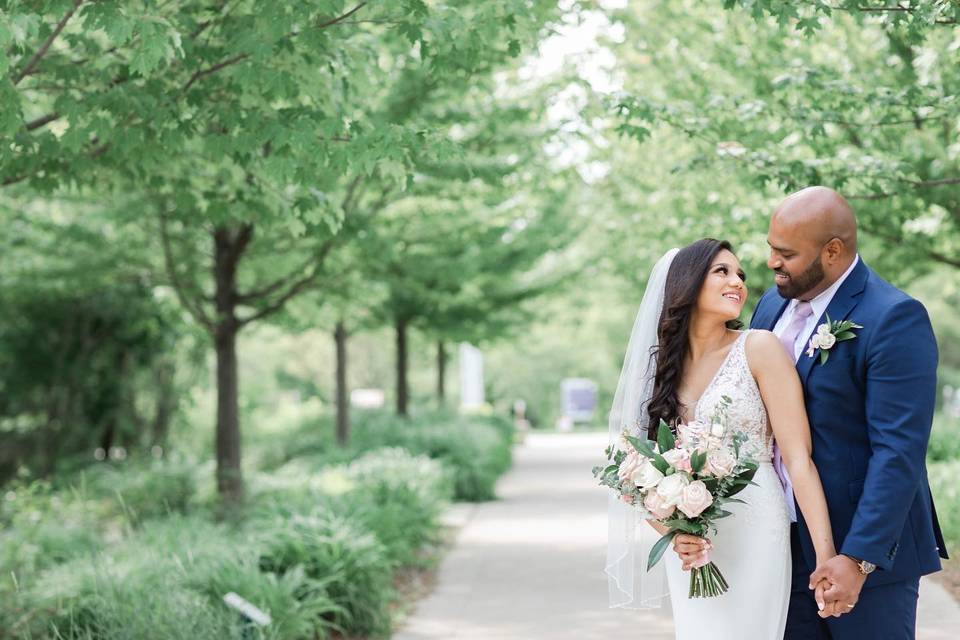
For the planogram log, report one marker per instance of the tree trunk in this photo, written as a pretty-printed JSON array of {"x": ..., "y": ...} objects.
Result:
[
  {"x": 402, "y": 389},
  {"x": 343, "y": 405},
  {"x": 166, "y": 402},
  {"x": 441, "y": 372},
  {"x": 228, "y": 246},
  {"x": 112, "y": 405}
]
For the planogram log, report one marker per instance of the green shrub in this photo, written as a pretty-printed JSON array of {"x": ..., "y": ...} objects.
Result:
[
  {"x": 349, "y": 562},
  {"x": 944, "y": 439},
  {"x": 143, "y": 492},
  {"x": 399, "y": 498},
  {"x": 135, "y": 591},
  {"x": 477, "y": 449},
  {"x": 299, "y": 606},
  {"x": 946, "y": 495},
  {"x": 396, "y": 469},
  {"x": 316, "y": 547},
  {"x": 41, "y": 528}
]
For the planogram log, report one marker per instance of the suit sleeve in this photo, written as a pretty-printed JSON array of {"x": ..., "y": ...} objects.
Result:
[{"x": 901, "y": 388}]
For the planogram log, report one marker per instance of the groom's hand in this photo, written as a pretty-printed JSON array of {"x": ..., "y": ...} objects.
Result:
[
  {"x": 845, "y": 582},
  {"x": 690, "y": 548}
]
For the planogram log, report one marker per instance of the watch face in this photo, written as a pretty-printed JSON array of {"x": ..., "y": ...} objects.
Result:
[{"x": 867, "y": 567}]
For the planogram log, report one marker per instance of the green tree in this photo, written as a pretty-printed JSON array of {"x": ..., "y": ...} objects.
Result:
[
  {"x": 462, "y": 248},
  {"x": 859, "y": 96},
  {"x": 250, "y": 131},
  {"x": 87, "y": 338}
]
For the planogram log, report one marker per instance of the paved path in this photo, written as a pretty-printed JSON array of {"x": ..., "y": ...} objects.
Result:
[{"x": 529, "y": 565}]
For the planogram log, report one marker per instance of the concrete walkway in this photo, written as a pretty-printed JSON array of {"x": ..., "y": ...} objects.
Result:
[{"x": 529, "y": 566}]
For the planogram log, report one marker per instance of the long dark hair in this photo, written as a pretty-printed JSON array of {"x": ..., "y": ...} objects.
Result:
[{"x": 684, "y": 280}]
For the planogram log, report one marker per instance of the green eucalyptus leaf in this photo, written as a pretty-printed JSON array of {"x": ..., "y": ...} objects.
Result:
[
  {"x": 656, "y": 552},
  {"x": 665, "y": 439}
]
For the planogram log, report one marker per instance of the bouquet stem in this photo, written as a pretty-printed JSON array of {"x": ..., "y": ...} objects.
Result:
[{"x": 707, "y": 582}]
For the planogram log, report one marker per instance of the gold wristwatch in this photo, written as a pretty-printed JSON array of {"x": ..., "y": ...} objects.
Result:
[{"x": 866, "y": 568}]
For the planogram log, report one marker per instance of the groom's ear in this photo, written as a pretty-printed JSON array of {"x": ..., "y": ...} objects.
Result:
[{"x": 834, "y": 250}]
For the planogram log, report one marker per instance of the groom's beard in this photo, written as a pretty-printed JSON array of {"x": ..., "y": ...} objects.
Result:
[{"x": 798, "y": 285}]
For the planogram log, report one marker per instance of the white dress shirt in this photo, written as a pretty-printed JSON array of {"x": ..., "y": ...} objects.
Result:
[{"x": 819, "y": 305}]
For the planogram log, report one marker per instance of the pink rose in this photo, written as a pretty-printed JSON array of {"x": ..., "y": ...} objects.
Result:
[
  {"x": 695, "y": 499},
  {"x": 628, "y": 466},
  {"x": 628, "y": 498},
  {"x": 656, "y": 505},
  {"x": 679, "y": 459},
  {"x": 720, "y": 463}
]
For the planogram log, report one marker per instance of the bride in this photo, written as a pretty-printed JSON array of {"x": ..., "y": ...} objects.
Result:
[{"x": 684, "y": 355}]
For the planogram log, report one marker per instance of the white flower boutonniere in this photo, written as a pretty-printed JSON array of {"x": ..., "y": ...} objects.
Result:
[{"x": 829, "y": 334}]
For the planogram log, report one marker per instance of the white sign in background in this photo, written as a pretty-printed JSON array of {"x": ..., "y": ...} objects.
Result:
[{"x": 471, "y": 376}]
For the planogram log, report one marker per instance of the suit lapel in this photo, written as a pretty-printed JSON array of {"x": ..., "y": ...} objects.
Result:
[
  {"x": 839, "y": 308},
  {"x": 766, "y": 320},
  {"x": 776, "y": 316}
]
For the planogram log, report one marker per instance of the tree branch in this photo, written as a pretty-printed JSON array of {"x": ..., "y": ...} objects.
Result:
[
  {"x": 240, "y": 241},
  {"x": 870, "y": 196},
  {"x": 14, "y": 179},
  {"x": 343, "y": 17},
  {"x": 934, "y": 183},
  {"x": 304, "y": 283},
  {"x": 200, "y": 73},
  {"x": 194, "y": 307},
  {"x": 894, "y": 239},
  {"x": 270, "y": 289},
  {"x": 42, "y": 51},
  {"x": 43, "y": 121},
  {"x": 890, "y": 9},
  {"x": 243, "y": 56},
  {"x": 351, "y": 190},
  {"x": 887, "y": 123},
  {"x": 372, "y": 22},
  {"x": 295, "y": 288}
]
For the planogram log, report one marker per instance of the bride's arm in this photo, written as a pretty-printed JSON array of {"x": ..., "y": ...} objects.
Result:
[
  {"x": 782, "y": 395},
  {"x": 659, "y": 528}
]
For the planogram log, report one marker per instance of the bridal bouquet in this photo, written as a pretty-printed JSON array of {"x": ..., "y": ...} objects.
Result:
[{"x": 683, "y": 483}]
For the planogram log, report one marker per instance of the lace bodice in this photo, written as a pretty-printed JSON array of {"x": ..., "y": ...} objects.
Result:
[{"x": 746, "y": 412}]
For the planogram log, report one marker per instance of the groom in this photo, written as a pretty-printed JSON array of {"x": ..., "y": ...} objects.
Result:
[{"x": 870, "y": 407}]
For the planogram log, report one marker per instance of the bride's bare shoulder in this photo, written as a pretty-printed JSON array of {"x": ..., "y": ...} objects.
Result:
[{"x": 764, "y": 351}]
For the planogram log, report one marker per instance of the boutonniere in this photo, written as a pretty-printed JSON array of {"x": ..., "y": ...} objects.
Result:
[{"x": 828, "y": 334}]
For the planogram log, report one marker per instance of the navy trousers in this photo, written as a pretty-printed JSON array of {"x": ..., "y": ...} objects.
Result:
[{"x": 887, "y": 612}]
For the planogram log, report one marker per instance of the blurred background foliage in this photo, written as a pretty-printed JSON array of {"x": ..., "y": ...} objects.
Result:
[{"x": 219, "y": 219}]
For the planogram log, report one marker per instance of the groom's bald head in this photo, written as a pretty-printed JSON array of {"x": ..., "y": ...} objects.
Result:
[
  {"x": 821, "y": 214},
  {"x": 813, "y": 240}
]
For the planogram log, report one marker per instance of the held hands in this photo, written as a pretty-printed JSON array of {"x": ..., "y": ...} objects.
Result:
[
  {"x": 836, "y": 584},
  {"x": 691, "y": 549}
]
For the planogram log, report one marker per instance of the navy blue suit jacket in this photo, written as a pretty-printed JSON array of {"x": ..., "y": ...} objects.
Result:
[{"x": 871, "y": 408}]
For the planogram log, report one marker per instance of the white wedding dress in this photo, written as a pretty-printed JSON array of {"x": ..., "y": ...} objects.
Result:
[{"x": 752, "y": 546}]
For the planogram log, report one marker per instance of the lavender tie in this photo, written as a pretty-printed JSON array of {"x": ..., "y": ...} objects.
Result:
[{"x": 801, "y": 314}]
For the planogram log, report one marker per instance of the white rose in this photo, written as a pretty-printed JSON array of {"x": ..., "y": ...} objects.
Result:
[
  {"x": 695, "y": 499},
  {"x": 679, "y": 459},
  {"x": 815, "y": 342},
  {"x": 720, "y": 463},
  {"x": 827, "y": 341},
  {"x": 646, "y": 476},
  {"x": 671, "y": 488},
  {"x": 823, "y": 330}
]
